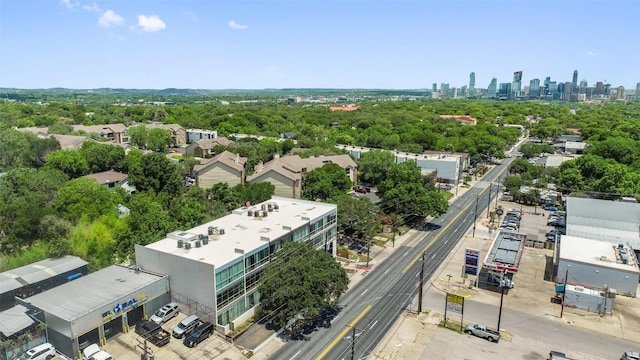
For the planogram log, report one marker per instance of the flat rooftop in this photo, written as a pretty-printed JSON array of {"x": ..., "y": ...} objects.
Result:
[
  {"x": 243, "y": 233},
  {"x": 444, "y": 156},
  {"x": 596, "y": 252},
  {"x": 112, "y": 282},
  {"x": 506, "y": 251}
]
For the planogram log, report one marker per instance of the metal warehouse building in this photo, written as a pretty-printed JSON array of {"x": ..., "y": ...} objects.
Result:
[
  {"x": 98, "y": 306},
  {"x": 598, "y": 265}
]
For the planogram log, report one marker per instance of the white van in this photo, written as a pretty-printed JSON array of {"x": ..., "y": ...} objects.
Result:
[
  {"x": 185, "y": 326},
  {"x": 165, "y": 313}
]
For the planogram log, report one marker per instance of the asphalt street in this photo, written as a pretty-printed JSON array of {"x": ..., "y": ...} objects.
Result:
[{"x": 377, "y": 301}]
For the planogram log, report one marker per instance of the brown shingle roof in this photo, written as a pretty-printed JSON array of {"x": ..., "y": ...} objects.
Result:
[
  {"x": 228, "y": 158},
  {"x": 107, "y": 177},
  {"x": 70, "y": 142}
]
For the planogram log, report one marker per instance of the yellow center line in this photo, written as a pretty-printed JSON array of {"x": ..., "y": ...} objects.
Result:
[
  {"x": 406, "y": 268},
  {"x": 344, "y": 332}
]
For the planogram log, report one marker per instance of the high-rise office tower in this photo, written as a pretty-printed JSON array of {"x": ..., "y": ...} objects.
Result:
[
  {"x": 620, "y": 93},
  {"x": 638, "y": 91},
  {"x": 516, "y": 86},
  {"x": 568, "y": 89},
  {"x": 505, "y": 91},
  {"x": 444, "y": 90},
  {"x": 472, "y": 84},
  {"x": 583, "y": 86},
  {"x": 599, "y": 90},
  {"x": 575, "y": 80},
  {"x": 607, "y": 89},
  {"x": 547, "y": 80},
  {"x": 434, "y": 87},
  {"x": 493, "y": 88},
  {"x": 534, "y": 88}
]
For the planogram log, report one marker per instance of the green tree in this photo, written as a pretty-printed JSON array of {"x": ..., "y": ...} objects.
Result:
[
  {"x": 414, "y": 199},
  {"x": 374, "y": 165},
  {"x": 154, "y": 172},
  {"x": 70, "y": 162},
  {"x": 254, "y": 193},
  {"x": 84, "y": 198},
  {"x": 357, "y": 217},
  {"x": 103, "y": 157},
  {"x": 301, "y": 280},
  {"x": 158, "y": 139},
  {"x": 138, "y": 136},
  {"x": 325, "y": 182}
]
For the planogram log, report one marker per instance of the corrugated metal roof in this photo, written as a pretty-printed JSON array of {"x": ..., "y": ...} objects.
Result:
[
  {"x": 14, "y": 320},
  {"x": 38, "y": 271},
  {"x": 76, "y": 298}
]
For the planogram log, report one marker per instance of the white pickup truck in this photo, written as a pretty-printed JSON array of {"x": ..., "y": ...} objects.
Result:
[{"x": 482, "y": 331}]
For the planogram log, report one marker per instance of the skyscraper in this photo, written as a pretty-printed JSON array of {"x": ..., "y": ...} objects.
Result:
[
  {"x": 505, "y": 91},
  {"x": 620, "y": 93},
  {"x": 493, "y": 88},
  {"x": 516, "y": 86},
  {"x": 638, "y": 91},
  {"x": 575, "y": 80},
  {"x": 472, "y": 84},
  {"x": 434, "y": 87},
  {"x": 583, "y": 86},
  {"x": 534, "y": 88}
]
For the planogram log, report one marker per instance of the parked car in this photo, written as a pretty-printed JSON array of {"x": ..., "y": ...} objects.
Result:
[
  {"x": 482, "y": 331},
  {"x": 185, "y": 326},
  {"x": 45, "y": 351},
  {"x": 551, "y": 235},
  {"x": 200, "y": 333},
  {"x": 93, "y": 352},
  {"x": 165, "y": 313},
  {"x": 630, "y": 355}
]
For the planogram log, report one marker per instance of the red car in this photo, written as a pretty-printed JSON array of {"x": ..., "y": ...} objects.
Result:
[{"x": 361, "y": 190}]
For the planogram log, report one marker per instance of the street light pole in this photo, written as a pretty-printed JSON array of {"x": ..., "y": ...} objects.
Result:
[
  {"x": 489, "y": 200},
  {"x": 500, "y": 311}
]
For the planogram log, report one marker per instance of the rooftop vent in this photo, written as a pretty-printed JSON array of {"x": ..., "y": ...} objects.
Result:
[
  {"x": 275, "y": 207},
  {"x": 197, "y": 243},
  {"x": 187, "y": 245},
  {"x": 221, "y": 231},
  {"x": 205, "y": 240},
  {"x": 180, "y": 243}
]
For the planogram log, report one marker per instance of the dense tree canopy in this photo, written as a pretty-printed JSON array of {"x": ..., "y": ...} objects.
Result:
[
  {"x": 301, "y": 280},
  {"x": 328, "y": 181}
]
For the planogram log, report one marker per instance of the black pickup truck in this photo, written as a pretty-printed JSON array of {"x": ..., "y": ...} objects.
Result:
[{"x": 153, "y": 333}]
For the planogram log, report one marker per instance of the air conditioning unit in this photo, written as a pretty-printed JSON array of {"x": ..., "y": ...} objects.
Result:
[
  {"x": 187, "y": 245},
  {"x": 180, "y": 243},
  {"x": 276, "y": 207},
  {"x": 197, "y": 243},
  {"x": 263, "y": 207},
  {"x": 221, "y": 231},
  {"x": 249, "y": 212},
  {"x": 211, "y": 230},
  {"x": 205, "y": 240}
]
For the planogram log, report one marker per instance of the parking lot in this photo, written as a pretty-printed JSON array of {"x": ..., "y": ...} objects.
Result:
[{"x": 130, "y": 346}]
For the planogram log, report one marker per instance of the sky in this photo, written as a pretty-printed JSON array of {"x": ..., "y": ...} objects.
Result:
[{"x": 370, "y": 44}]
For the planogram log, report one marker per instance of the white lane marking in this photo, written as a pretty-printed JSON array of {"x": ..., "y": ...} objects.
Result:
[
  {"x": 385, "y": 273},
  {"x": 364, "y": 292},
  {"x": 374, "y": 324},
  {"x": 294, "y": 355}
]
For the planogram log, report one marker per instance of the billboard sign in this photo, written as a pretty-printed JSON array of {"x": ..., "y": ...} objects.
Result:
[
  {"x": 471, "y": 262},
  {"x": 455, "y": 303}
]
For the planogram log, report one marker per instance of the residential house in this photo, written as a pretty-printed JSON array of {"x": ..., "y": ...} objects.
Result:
[
  {"x": 205, "y": 147},
  {"x": 38, "y": 131},
  {"x": 70, "y": 142},
  {"x": 112, "y": 179},
  {"x": 116, "y": 133},
  {"x": 194, "y": 135},
  {"x": 224, "y": 167},
  {"x": 286, "y": 172},
  {"x": 178, "y": 133}
]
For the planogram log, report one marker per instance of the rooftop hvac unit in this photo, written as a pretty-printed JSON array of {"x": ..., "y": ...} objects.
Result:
[
  {"x": 249, "y": 212},
  {"x": 270, "y": 207},
  {"x": 180, "y": 243},
  {"x": 187, "y": 245},
  {"x": 205, "y": 240},
  {"x": 221, "y": 231},
  {"x": 197, "y": 243},
  {"x": 202, "y": 237},
  {"x": 211, "y": 230},
  {"x": 276, "y": 207},
  {"x": 256, "y": 213},
  {"x": 620, "y": 246},
  {"x": 263, "y": 207}
]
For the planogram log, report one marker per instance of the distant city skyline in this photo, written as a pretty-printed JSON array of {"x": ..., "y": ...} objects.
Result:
[{"x": 369, "y": 44}]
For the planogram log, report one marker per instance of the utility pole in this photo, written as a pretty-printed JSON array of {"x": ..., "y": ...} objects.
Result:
[
  {"x": 489, "y": 200},
  {"x": 564, "y": 291},
  {"x": 504, "y": 283},
  {"x": 420, "y": 285},
  {"x": 497, "y": 192},
  {"x": 353, "y": 340},
  {"x": 475, "y": 216}
]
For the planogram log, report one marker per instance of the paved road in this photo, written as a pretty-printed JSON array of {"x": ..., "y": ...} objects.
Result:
[
  {"x": 526, "y": 326},
  {"x": 377, "y": 301}
]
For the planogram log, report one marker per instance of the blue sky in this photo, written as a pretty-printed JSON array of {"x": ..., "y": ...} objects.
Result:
[{"x": 242, "y": 44}]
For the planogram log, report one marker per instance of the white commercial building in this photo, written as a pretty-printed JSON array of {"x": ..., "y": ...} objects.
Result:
[
  {"x": 447, "y": 166},
  {"x": 598, "y": 265},
  {"x": 605, "y": 220},
  {"x": 218, "y": 265}
]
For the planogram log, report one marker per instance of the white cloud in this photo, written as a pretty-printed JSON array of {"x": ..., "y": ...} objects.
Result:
[
  {"x": 109, "y": 19},
  {"x": 92, "y": 8},
  {"x": 593, "y": 54},
  {"x": 69, "y": 4},
  {"x": 235, "y": 25},
  {"x": 150, "y": 23}
]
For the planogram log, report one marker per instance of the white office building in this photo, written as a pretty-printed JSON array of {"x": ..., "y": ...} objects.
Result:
[{"x": 217, "y": 265}]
